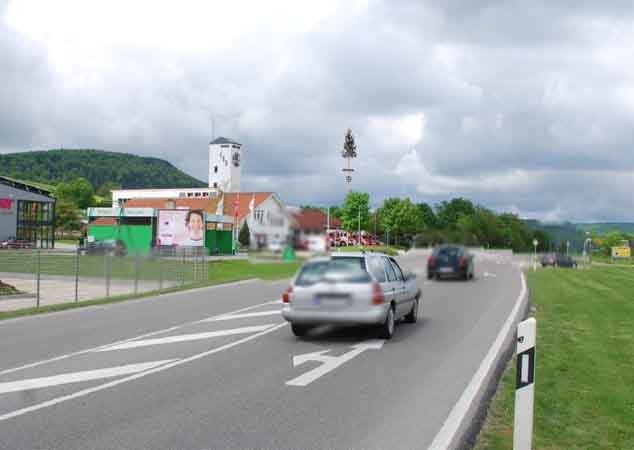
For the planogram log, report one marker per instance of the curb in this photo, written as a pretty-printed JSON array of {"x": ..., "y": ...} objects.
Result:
[{"x": 462, "y": 426}]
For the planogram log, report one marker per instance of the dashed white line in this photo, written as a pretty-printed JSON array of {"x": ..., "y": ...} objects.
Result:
[
  {"x": 55, "y": 401},
  {"x": 76, "y": 377},
  {"x": 276, "y": 312},
  {"x": 153, "y": 333},
  {"x": 185, "y": 338}
]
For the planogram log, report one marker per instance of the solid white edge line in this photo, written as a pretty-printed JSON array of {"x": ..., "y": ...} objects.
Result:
[
  {"x": 141, "y": 336},
  {"x": 55, "y": 401},
  {"x": 456, "y": 416}
]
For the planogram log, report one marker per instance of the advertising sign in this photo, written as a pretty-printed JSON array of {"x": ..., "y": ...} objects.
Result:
[
  {"x": 621, "y": 252},
  {"x": 181, "y": 227}
]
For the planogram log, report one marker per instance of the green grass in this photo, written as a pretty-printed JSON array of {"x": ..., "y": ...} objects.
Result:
[
  {"x": 239, "y": 269},
  {"x": 584, "y": 365},
  {"x": 391, "y": 250},
  {"x": 608, "y": 260},
  {"x": 7, "y": 289}
]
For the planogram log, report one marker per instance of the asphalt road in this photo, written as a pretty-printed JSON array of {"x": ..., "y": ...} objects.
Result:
[{"x": 213, "y": 369}]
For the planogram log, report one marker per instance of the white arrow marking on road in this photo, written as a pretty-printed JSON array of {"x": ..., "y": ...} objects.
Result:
[
  {"x": 244, "y": 316},
  {"x": 185, "y": 337},
  {"x": 329, "y": 363},
  {"x": 76, "y": 377},
  {"x": 487, "y": 275}
]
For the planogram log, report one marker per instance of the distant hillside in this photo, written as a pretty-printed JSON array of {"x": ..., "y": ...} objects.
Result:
[
  {"x": 97, "y": 166},
  {"x": 602, "y": 228}
]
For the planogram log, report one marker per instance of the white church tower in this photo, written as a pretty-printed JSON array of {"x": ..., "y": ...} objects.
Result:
[{"x": 225, "y": 164}]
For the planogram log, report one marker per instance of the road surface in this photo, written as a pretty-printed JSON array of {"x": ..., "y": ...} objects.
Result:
[{"x": 219, "y": 368}]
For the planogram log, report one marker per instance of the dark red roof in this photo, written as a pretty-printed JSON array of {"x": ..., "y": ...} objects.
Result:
[{"x": 315, "y": 219}]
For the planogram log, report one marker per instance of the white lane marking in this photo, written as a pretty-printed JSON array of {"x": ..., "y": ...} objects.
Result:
[
  {"x": 329, "y": 363},
  {"x": 489, "y": 275},
  {"x": 244, "y": 316},
  {"x": 76, "y": 377},
  {"x": 185, "y": 337},
  {"x": 55, "y": 401},
  {"x": 141, "y": 336},
  {"x": 456, "y": 416}
]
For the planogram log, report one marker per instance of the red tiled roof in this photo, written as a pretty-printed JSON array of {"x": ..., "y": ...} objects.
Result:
[
  {"x": 315, "y": 219},
  {"x": 104, "y": 221}
]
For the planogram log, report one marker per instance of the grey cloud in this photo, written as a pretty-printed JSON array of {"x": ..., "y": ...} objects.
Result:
[{"x": 503, "y": 86}]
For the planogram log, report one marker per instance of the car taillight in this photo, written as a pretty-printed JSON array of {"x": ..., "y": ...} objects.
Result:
[
  {"x": 286, "y": 296},
  {"x": 431, "y": 260},
  {"x": 463, "y": 261},
  {"x": 377, "y": 294}
]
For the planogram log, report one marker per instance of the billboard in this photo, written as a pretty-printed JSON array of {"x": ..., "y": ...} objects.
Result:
[
  {"x": 181, "y": 227},
  {"x": 621, "y": 252}
]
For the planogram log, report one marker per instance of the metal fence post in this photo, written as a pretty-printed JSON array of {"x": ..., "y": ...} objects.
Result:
[
  {"x": 160, "y": 273},
  {"x": 37, "y": 270},
  {"x": 106, "y": 268},
  {"x": 77, "y": 276},
  {"x": 183, "y": 270},
  {"x": 136, "y": 274}
]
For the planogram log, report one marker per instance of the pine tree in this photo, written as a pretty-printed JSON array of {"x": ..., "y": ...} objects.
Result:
[
  {"x": 245, "y": 235},
  {"x": 349, "y": 147}
]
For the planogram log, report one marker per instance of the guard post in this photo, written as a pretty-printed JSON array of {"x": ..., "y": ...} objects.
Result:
[{"x": 525, "y": 385}]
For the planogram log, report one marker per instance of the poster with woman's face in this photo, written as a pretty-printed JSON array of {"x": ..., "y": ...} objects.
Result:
[{"x": 181, "y": 227}]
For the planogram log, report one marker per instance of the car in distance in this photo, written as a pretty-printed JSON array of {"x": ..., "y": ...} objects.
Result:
[
  {"x": 352, "y": 288},
  {"x": 450, "y": 260},
  {"x": 549, "y": 259},
  {"x": 113, "y": 247},
  {"x": 558, "y": 260},
  {"x": 14, "y": 243},
  {"x": 565, "y": 261}
]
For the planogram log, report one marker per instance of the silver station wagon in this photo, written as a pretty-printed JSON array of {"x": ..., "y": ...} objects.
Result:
[{"x": 351, "y": 289}]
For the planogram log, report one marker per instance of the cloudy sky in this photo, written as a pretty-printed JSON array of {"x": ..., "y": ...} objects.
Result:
[{"x": 520, "y": 106}]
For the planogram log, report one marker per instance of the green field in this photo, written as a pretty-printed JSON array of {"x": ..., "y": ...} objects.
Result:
[
  {"x": 391, "y": 250},
  {"x": 584, "y": 379}
]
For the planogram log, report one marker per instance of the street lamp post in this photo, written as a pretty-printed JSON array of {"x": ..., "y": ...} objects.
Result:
[{"x": 535, "y": 242}]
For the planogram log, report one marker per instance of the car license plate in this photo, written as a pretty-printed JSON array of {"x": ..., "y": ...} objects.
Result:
[
  {"x": 445, "y": 269},
  {"x": 329, "y": 300}
]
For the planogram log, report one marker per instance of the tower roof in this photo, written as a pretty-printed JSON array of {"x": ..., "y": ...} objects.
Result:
[{"x": 223, "y": 140}]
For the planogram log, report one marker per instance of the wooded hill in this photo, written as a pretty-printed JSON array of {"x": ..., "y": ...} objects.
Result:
[{"x": 97, "y": 166}]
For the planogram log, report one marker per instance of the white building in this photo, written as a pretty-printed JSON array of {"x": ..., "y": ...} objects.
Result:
[{"x": 225, "y": 164}]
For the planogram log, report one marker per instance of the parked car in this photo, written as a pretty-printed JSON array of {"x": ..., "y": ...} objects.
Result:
[
  {"x": 351, "y": 289},
  {"x": 109, "y": 246},
  {"x": 565, "y": 261},
  {"x": 549, "y": 259},
  {"x": 450, "y": 260},
  {"x": 14, "y": 243}
]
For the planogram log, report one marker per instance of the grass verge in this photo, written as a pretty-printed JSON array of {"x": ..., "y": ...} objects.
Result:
[
  {"x": 7, "y": 289},
  {"x": 219, "y": 272},
  {"x": 391, "y": 250},
  {"x": 584, "y": 364}
]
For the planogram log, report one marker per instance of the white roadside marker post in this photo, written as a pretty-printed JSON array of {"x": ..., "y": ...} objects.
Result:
[{"x": 525, "y": 385}]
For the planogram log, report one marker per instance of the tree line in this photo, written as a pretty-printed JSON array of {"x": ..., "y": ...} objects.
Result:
[{"x": 400, "y": 221}]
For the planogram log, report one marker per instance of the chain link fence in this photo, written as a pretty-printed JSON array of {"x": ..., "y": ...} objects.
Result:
[{"x": 45, "y": 277}]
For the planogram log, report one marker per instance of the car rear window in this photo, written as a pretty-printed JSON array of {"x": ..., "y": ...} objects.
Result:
[
  {"x": 340, "y": 269},
  {"x": 447, "y": 253}
]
